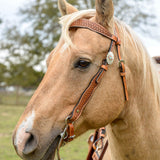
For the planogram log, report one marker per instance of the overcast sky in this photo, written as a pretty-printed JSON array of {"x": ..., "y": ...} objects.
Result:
[{"x": 9, "y": 8}]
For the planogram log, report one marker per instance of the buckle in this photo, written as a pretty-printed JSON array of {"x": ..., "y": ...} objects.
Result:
[
  {"x": 66, "y": 120},
  {"x": 118, "y": 42},
  {"x": 120, "y": 62}
]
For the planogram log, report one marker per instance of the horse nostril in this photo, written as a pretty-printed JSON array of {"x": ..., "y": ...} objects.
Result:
[{"x": 30, "y": 144}]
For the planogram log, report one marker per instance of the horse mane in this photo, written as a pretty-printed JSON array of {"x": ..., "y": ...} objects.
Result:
[
  {"x": 129, "y": 37},
  {"x": 67, "y": 20}
]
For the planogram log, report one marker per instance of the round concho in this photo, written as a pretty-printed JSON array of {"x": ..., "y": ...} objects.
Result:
[{"x": 110, "y": 58}]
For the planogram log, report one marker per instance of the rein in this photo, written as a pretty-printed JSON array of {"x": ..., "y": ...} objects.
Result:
[{"x": 68, "y": 133}]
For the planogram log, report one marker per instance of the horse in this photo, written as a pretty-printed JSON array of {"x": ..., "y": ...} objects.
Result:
[{"x": 132, "y": 123}]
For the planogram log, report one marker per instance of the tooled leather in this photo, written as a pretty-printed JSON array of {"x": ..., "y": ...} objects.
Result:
[
  {"x": 95, "y": 27},
  {"x": 98, "y": 135},
  {"x": 86, "y": 96}
]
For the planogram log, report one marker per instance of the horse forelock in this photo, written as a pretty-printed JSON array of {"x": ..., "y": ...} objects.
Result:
[{"x": 67, "y": 20}]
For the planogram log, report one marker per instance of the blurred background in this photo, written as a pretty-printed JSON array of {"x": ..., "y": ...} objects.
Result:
[{"x": 29, "y": 30}]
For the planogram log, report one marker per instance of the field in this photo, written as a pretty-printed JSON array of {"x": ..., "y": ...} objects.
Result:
[
  {"x": 9, "y": 115},
  {"x": 7, "y": 98}
]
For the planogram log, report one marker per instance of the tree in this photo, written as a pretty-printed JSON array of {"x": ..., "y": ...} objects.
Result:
[
  {"x": 20, "y": 75},
  {"x": 30, "y": 46},
  {"x": 43, "y": 30},
  {"x": 2, "y": 73},
  {"x": 139, "y": 13}
]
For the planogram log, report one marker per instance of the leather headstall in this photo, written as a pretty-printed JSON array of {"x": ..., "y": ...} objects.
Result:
[{"x": 68, "y": 134}]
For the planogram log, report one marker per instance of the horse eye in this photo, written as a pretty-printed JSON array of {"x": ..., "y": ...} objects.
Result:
[{"x": 82, "y": 64}]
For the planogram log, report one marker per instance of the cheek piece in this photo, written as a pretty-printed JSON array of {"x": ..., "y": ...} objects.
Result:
[{"x": 68, "y": 133}]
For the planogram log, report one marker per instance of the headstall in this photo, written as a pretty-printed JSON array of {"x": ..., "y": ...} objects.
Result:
[{"x": 68, "y": 133}]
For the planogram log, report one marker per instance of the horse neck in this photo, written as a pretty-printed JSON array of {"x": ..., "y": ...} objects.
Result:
[{"x": 135, "y": 134}]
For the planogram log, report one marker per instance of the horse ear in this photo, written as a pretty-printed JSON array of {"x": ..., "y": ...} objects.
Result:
[
  {"x": 104, "y": 12},
  {"x": 66, "y": 8}
]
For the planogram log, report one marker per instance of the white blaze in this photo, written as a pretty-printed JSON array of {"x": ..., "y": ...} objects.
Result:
[
  {"x": 64, "y": 47},
  {"x": 25, "y": 126}
]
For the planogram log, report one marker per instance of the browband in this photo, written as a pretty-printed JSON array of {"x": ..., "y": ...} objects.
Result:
[{"x": 95, "y": 27}]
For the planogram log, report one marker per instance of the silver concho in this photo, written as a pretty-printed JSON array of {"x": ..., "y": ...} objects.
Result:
[{"x": 110, "y": 58}]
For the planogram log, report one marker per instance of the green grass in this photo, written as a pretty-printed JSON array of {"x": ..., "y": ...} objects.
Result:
[
  {"x": 9, "y": 115},
  {"x": 10, "y": 99},
  {"x": 76, "y": 150},
  {"x": 8, "y": 118}
]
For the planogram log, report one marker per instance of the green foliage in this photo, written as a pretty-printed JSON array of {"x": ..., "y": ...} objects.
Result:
[
  {"x": 22, "y": 59},
  {"x": 2, "y": 72},
  {"x": 23, "y": 75},
  {"x": 44, "y": 32},
  {"x": 8, "y": 118},
  {"x": 29, "y": 46}
]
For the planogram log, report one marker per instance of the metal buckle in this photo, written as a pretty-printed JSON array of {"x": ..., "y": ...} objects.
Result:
[
  {"x": 64, "y": 136},
  {"x": 66, "y": 120},
  {"x": 96, "y": 145},
  {"x": 121, "y": 61},
  {"x": 61, "y": 142}
]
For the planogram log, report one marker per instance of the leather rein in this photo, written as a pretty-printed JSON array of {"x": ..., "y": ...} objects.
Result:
[{"x": 68, "y": 133}]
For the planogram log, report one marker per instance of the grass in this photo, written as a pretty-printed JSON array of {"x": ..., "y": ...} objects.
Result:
[
  {"x": 9, "y": 115},
  {"x": 10, "y": 99}
]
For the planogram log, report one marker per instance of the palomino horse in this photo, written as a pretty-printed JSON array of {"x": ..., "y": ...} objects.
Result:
[{"x": 133, "y": 126}]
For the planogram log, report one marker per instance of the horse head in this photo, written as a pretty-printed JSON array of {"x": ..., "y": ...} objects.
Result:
[{"x": 71, "y": 66}]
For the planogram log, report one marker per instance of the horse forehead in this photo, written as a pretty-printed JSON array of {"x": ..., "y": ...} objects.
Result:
[
  {"x": 87, "y": 39},
  {"x": 64, "y": 48},
  {"x": 57, "y": 54}
]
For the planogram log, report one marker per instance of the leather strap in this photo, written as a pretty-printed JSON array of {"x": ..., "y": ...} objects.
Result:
[
  {"x": 93, "y": 154},
  {"x": 104, "y": 151},
  {"x": 95, "y": 27},
  {"x": 70, "y": 133},
  {"x": 77, "y": 111},
  {"x": 91, "y": 150},
  {"x": 121, "y": 65}
]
